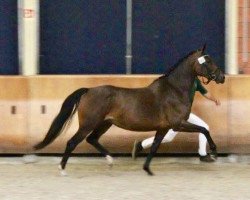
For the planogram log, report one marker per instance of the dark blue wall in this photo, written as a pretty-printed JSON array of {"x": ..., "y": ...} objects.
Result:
[
  {"x": 165, "y": 31},
  {"x": 8, "y": 37},
  {"x": 89, "y": 36},
  {"x": 83, "y": 36}
]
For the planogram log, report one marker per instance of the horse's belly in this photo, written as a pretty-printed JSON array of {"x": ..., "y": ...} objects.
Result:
[
  {"x": 139, "y": 125},
  {"x": 135, "y": 127},
  {"x": 138, "y": 119}
]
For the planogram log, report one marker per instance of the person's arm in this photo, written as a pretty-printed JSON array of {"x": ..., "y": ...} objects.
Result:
[
  {"x": 209, "y": 96},
  {"x": 206, "y": 93}
]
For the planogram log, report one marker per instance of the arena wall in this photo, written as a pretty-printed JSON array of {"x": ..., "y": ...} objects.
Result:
[{"x": 29, "y": 104}]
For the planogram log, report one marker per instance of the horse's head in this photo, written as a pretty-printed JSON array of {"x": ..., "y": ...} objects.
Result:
[{"x": 204, "y": 66}]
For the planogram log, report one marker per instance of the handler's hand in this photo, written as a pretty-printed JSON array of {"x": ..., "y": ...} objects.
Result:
[{"x": 217, "y": 102}]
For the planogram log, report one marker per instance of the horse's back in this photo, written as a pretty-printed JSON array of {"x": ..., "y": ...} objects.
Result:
[{"x": 102, "y": 99}]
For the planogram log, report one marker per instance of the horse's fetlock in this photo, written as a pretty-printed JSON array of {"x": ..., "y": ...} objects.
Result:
[{"x": 213, "y": 147}]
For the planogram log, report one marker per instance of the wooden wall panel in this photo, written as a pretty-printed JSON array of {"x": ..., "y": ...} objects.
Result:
[
  {"x": 38, "y": 100},
  {"x": 239, "y": 114},
  {"x": 14, "y": 111}
]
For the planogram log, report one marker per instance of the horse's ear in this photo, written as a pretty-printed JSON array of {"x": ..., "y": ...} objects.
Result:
[{"x": 203, "y": 48}]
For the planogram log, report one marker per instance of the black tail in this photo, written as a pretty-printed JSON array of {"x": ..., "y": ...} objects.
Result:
[{"x": 68, "y": 109}]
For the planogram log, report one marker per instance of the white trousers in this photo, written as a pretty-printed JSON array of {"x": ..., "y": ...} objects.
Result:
[{"x": 171, "y": 135}]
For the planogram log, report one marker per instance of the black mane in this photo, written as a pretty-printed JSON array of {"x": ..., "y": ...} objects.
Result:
[{"x": 172, "y": 68}]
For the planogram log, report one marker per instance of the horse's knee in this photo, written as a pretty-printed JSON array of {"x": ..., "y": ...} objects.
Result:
[{"x": 204, "y": 131}]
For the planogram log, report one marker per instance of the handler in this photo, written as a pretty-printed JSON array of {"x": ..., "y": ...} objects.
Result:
[{"x": 204, "y": 157}]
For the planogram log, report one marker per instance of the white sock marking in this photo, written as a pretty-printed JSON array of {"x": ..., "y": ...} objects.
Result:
[{"x": 109, "y": 160}]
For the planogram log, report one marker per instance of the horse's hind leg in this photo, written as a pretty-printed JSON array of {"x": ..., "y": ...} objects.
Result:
[
  {"x": 71, "y": 145},
  {"x": 95, "y": 136}
]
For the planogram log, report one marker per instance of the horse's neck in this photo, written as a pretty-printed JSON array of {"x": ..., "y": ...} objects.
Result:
[
  {"x": 182, "y": 77},
  {"x": 180, "y": 80}
]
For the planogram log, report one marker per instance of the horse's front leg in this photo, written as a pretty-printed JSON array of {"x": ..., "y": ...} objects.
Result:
[
  {"x": 189, "y": 127},
  {"x": 157, "y": 141}
]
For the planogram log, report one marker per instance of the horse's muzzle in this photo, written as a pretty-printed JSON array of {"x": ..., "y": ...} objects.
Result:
[{"x": 220, "y": 78}]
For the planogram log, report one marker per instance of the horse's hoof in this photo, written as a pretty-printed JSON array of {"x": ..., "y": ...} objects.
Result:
[
  {"x": 150, "y": 173},
  {"x": 208, "y": 159},
  {"x": 137, "y": 148},
  {"x": 62, "y": 171},
  {"x": 109, "y": 160},
  {"x": 214, "y": 155},
  {"x": 60, "y": 167},
  {"x": 30, "y": 158}
]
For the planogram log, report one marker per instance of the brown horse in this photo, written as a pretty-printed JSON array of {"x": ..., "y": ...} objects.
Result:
[{"x": 163, "y": 105}]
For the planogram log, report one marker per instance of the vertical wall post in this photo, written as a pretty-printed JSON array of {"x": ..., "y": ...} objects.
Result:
[
  {"x": 129, "y": 38},
  {"x": 245, "y": 33},
  {"x": 231, "y": 55},
  {"x": 28, "y": 36}
]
